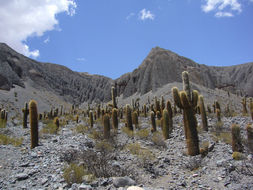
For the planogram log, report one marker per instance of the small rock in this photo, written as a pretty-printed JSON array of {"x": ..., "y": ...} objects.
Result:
[
  {"x": 123, "y": 181},
  {"x": 44, "y": 181},
  {"x": 134, "y": 188},
  {"x": 26, "y": 164},
  {"x": 195, "y": 175},
  {"x": 21, "y": 176},
  {"x": 85, "y": 187}
]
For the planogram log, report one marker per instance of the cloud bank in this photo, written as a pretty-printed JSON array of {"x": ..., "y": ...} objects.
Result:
[{"x": 20, "y": 19}]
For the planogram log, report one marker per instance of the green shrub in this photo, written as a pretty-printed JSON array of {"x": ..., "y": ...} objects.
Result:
[
  {"x": 49, "y": 128},
  {"x": 127, "y": 131},
  {"x": 82, "y": 129},
  {"x": 73, "y": 174},
  {"x": 143, "y": 133},
  {"x": 237, "y": 156}
]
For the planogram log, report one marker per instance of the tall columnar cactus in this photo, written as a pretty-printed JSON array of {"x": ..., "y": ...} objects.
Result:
[
  {"x": 236, "y": 139},
  {"x": 244, "y": 105},
  {"x": 115, "y": 122},
  {"x": 203, "y": 113},
  {"x": 129, "y": 117},
  {"x": 153, "y": 123},
  {"x": 217, "y": 105},
  {"x": 249, "y": 130},
  {"x": 34, "y": 123},
  {"x": 77, "y": 118},
  {"x": 218, "y": 115},
  {"x": 158, "y": 115},
  {"x": 113, "y": 92},
  {"x": 98, "y": 111},
  {"x": 106, "y": 121},
  {"x": 135, "y": 119},
  {"x": 188, "y": 103},
  {"x": 166, "y": 128},
  {"x": 57, "y": 123},
  {"x": 251, "y": 108},
  {"x": 145, "y": 110},
  {"x": 170, "y": 112},
  {"x": 91, "y": 118},
  {"x": 162, "y": 104},
  {"x": 157, "y": 105}
]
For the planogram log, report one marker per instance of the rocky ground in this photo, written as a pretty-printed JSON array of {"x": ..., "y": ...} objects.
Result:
[{"x": 140, "y": 160}]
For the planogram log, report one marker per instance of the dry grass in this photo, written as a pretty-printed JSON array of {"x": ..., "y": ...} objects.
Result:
[{"x": 5, "y": 140}]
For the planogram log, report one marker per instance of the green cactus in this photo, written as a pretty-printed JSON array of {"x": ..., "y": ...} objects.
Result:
[
  {"x": 188, "y": 103},
  {"x": 166, "y": 128},
  {"x": 106, "y": 121},
  {"x": 169, "y": 109},
  {"x": 135, "y": 119},
  {"x": 251, "y": 108},
  {"x": 57, "y": 123},
  {"x": 162, "y": 104},
  {"x": 77, "y": 118},
  {"x": 34, "y": 123},
  {"x": 244, "y": 105},
  {"x": 249, "y": 130},
  {"x": 218, "y": 114},
  {"x": 153, "y": 123},
  {"x": 113, "y": 92},
  {"x": 91, "y": 118},
  {"x": 115, "y": 121},
  {"x": 145, "y": 110},
  {"x": 203, "y": 113},
  {"x": 236, "y": 139},
  {"x": 129, "y": 117},
  {"x": 157, "y": 105},
  {"x": 158, "y": 115},
  {"x": 98, "y": 111}
]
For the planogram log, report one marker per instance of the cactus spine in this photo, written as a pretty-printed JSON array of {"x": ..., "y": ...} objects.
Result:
[
  {"x": 187, "y": 101},
  {"x": 236, "y": 138},
  {"x": 115, "y": 122},
  {"x": 25, "y": 111},
  {"x": 106, "y": 121},
  {"x": 153, "y": 123},
  {"x": 166, "y": 128},
  {"x": 34, "y": 123},
  {"x": 129, "y": 117},
  {"x": 113, "y": 92},
  {"x": 203, "y": 113}
]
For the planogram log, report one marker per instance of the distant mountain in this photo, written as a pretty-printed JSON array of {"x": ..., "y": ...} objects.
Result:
[
  {"x": 163, "y": 66},
  {"x": 159, "y": 68},
  {"x": 72, "y": 86}
]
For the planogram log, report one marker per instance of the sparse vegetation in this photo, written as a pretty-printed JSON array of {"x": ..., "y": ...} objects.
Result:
[{"x": 5, "y": 140}]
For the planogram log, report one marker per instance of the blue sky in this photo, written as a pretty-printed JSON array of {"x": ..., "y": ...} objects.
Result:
[{"x": 113, "y": 37}]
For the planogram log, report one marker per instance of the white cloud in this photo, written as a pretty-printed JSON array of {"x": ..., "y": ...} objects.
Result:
[
  {"x": 224, "y": 14},
  {"x": 223, "y": 8},
  {"x": 130, "y": 16},
  {"x": 81, "y": 59},
  {"x": 28, "y": 18},
  {"x": 146, "y": 14},
  {"x": 46, "y": 40}
]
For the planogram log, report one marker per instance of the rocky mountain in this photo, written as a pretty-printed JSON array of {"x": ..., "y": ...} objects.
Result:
[
  {"x": 162, "y": 67},
  {"x": 158, "y": 69},
  {"x": 15, "y": 69}
]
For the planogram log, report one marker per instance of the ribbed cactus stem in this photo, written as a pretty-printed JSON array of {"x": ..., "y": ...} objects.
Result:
[
  {"x": 129, "y": 117},
  {"x": 249, "y": 130},
  {"x": 113, "y": 92},
  {"x": 251, "y": 108},
  {"x": 106, "y": 121},
  {"x": 57, "y": 123},
  {"x": 186, "y": 84},
  {"x": 170, "y": 112},
  {"x": 91, "y": 118},
  {"x": 115, "y": 118},
  {"x": 166, "y": 124},
  {"x": 236, "y": 138},
  {"x": 145, "y": 110},
  {"x": 135, "y": 119},
  {"x": 203, "y": 113},
  {"x": 244, "y": 105},
  {"x": 34, "y": 123},
  {"x": 153, "y": 123},
  {"x": 218, "y": 114}
]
